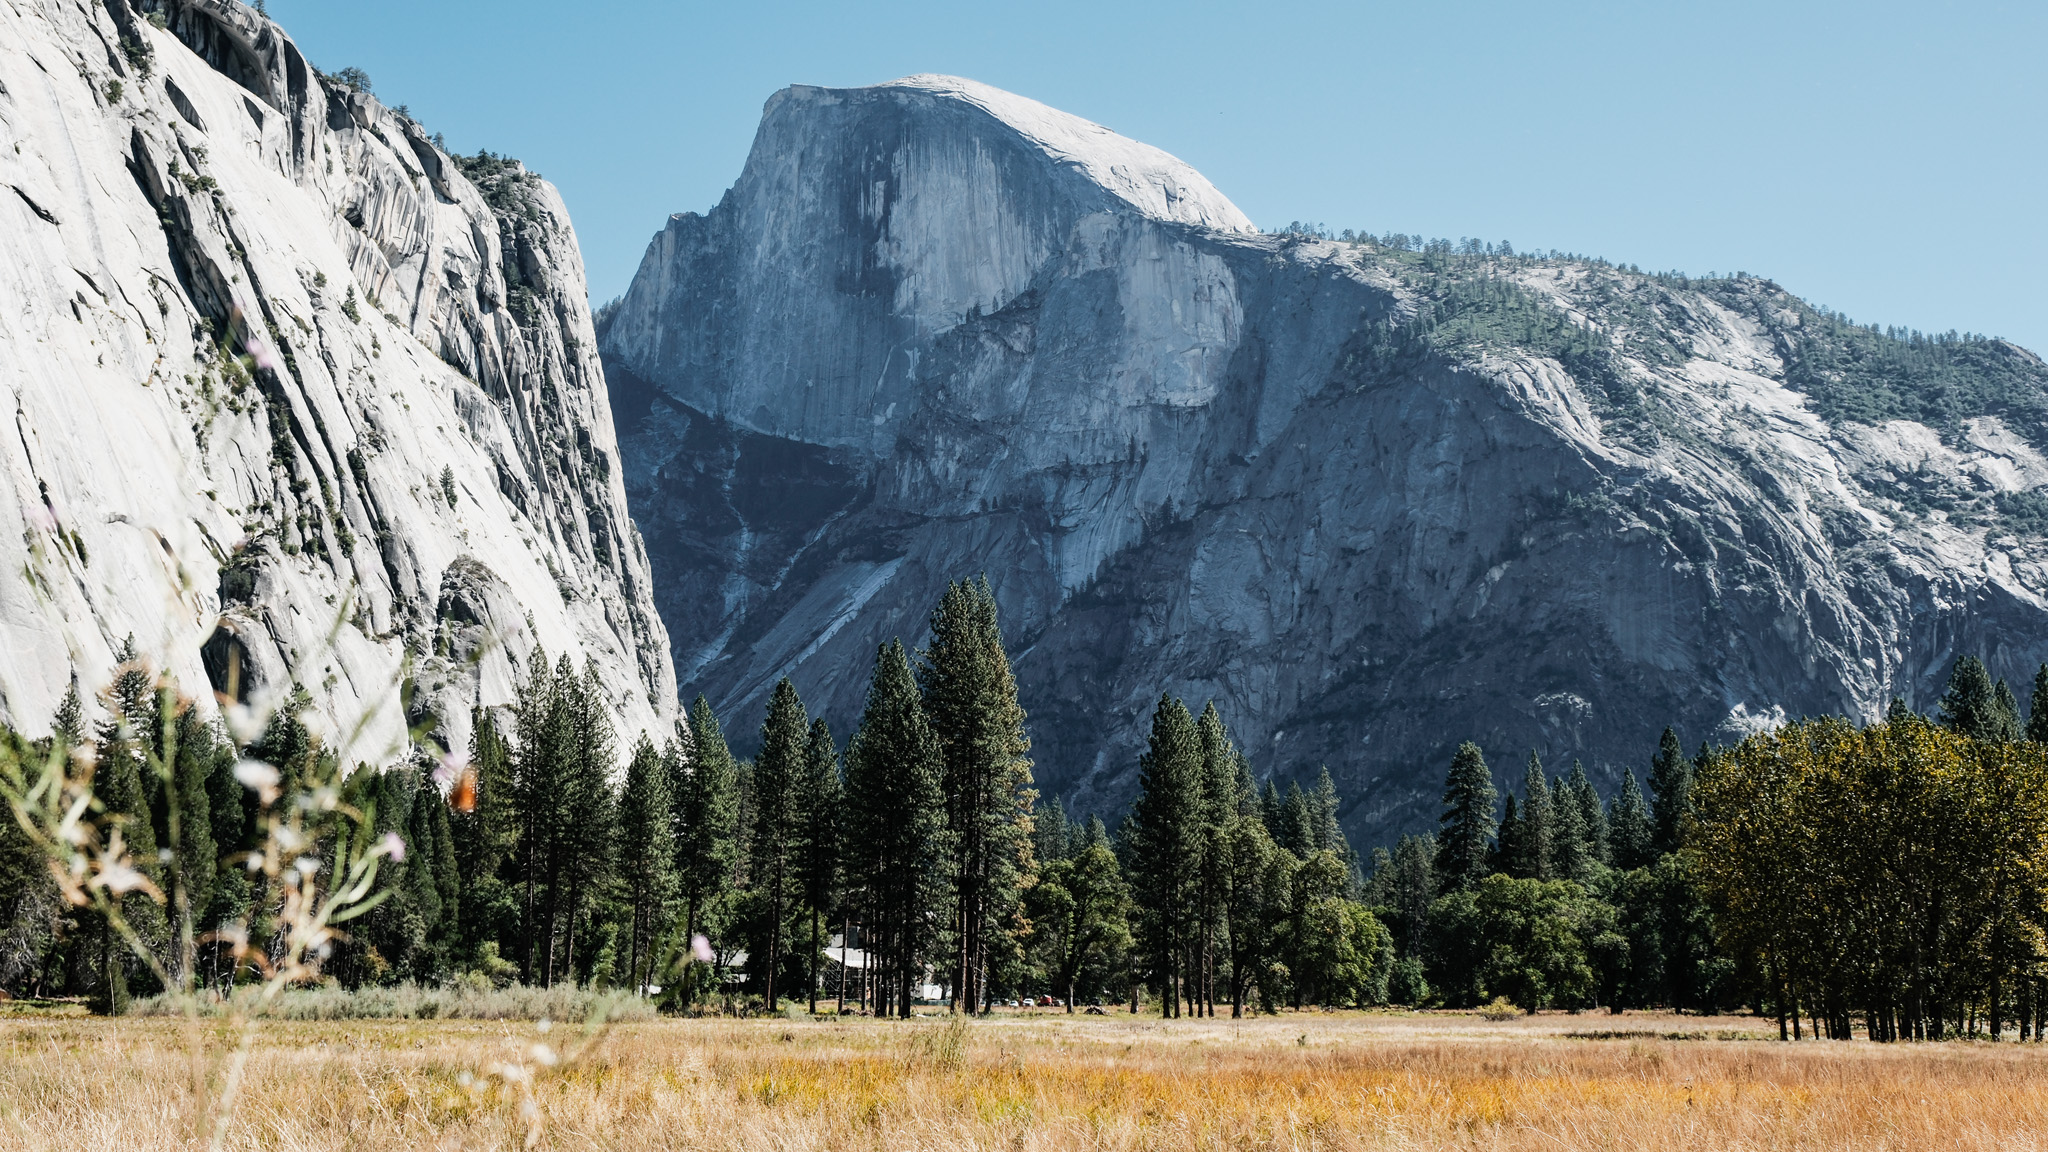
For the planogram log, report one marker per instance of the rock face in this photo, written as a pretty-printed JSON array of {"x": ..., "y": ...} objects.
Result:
[
  {"x": 295, "y": 393},
  {"x": 1373, "y": 497}
]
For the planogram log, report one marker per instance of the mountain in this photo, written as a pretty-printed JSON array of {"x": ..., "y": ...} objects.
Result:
[
  {"x": 1374, "y": 496},
  {"x": 297, "y": 395}
]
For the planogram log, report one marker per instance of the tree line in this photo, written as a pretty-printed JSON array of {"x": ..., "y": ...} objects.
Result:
[{"x": 1824, "y": 873}]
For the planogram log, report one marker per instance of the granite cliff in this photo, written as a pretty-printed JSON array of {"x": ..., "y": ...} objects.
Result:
[
  {"x": 295, "y": 392},
  {"x": 1373, "y": 496}
]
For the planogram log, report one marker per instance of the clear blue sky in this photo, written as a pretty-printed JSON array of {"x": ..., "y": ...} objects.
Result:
[{"x": 1886, "y": 159}]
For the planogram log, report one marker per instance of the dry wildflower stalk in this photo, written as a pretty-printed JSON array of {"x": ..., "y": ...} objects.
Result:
[{"x": 56, "y": 806}]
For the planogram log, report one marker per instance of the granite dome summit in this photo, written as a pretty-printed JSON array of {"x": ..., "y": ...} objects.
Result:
[{"x": 1374, "y": 498}]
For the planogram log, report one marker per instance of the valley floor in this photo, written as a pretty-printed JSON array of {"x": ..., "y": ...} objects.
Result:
[{"x": 1020, "y": 1081}]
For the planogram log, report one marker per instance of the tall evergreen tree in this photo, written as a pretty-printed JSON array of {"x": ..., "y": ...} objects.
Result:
[
  {"x": 1510, "y": 855},
  {"x": 1297, "y": 831},
  {"x": 1328, "y": 834},
  {"x": 646, "y": 855},
  {"x": 1053, "y": 832},
  {"x": 591, "y": 811},
  {"x": 290, "y": 746},
  {"x": 67, "y": 728},
  {"x": 1631, "y": 836},
  {"x": 896, "y": 847},
  {"x": 1224, "y": 779},
  {"x": 1539, "y": 831},
  {"x": 776, "y": 844},
  {"x": 1273, "y": 810},
  {"x": 124, "y": 785},
  {"x": 2005, "y": 714},
  {"x": 1166, "y": 843},
  {"x": 706, "y": 791},
  {"x": 1670, "y": 788},
  {"x": 1592, "y": 818},
  {"x": 2037, "y": 708},
  {"x": 540, "y": 769},
  {"x": 818, "y": 871},
  {"x": 1969, "y": 705},
  {"x": 1403, "y": 886},
  {"x": 1467, "y": 821},
  {"x": 187, "y": 825},
  {"x": 485, "y": 825},
  {"x": 970, "y": 697},
  {"x": 436, "y": 847},
  {"x": 1571, "y": 857}
]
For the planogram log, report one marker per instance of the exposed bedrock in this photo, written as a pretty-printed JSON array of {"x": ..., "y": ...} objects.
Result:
[
  {"x": 1374, "y": 501},
  {"x": 294, "y": 392}
]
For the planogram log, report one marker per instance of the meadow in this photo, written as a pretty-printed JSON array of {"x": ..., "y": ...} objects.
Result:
[{"x": 1022, "y": 1081}]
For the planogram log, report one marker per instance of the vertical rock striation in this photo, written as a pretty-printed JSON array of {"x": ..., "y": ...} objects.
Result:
[
  {"x": 295, "y": 392},
  {"x": 1375, "y": 498}
]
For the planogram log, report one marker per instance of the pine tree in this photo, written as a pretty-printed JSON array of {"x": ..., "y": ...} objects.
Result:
[
  {"x": 1297, "y": 831},
  {"x": 646, "y": 855},
  {"x": 970, "y": 698},
  {"x": 1467, "y": 821},
  {"x": 1631, "y": 836},
  {"x": 1510, "y": 855},
  {"x": 775, "y": 846},
  {"x": 541, "y": 726},
  {"x": 1404, "y": 888},
  {"x": 68, "y": 727},
  {"x": 707, "y": 816},
  {"x": 818, "y": 871},
  {"x": 1670, "y": 786},
  {"x": 290, "y": 746},
  {"x": 591, "y": 812},
  {"x": 2005, "y": 714},
  {"x": 1539, "y": 832},
  {"x": 1570, "y": 857},
  {"x": 124, "y": 786},
  {"x": 1592, "y": 818},
  {"x": 188, "y": 824},
  {"x": 1053, "y": 832},
  {"x": 1970, "y": 703},
  {"x": 896, "y": 847},
  {"x": 1165, "y": 844},
  {"x": 437, "y": 850},
  {"x": 1223, "y": 779},
  {"x": 2037, "y": 708},
  {"x": 484, "y": 826},
  {"x": 1272, "y": 810},
  {"x": 1328, "y": 834}
]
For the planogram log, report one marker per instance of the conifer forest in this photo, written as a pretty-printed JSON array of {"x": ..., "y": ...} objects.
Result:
[{"x": 1826, "y": 876}]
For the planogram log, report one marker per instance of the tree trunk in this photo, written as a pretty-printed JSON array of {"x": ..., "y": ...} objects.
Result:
[{"x": 774, "y": 940}]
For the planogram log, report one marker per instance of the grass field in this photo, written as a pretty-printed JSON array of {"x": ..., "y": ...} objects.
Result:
[{"x": 1047, "y": 1081}]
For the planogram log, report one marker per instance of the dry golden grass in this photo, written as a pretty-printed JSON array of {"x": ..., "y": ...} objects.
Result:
[{"x": 1046, "y": 1082}]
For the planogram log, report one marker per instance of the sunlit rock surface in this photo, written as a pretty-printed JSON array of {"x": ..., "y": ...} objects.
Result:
[
  {"x": 937, "y": 330},
  {"x": 208, "y": 452}
]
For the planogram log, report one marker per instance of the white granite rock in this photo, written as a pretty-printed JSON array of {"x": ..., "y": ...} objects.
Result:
[{"x": 206, "y": 444}]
